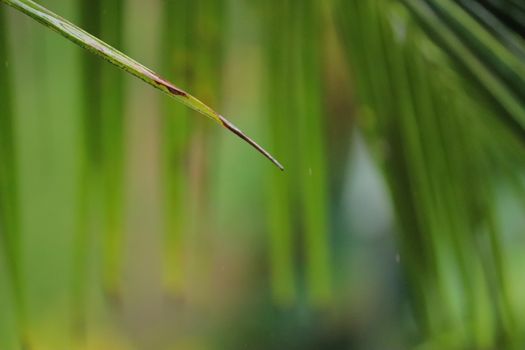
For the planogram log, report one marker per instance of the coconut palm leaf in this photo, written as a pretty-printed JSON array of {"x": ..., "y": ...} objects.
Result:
[
  {"x": 115, "y": 57},
  {"x": 441, "y": 99}
]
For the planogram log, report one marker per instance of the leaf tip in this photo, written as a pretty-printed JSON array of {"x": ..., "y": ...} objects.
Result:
[{"x": 243, "y": 136}]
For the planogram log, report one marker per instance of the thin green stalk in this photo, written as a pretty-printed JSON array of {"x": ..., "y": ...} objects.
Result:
[
  {"x": 412, "y": 242},
  {"x": 494, "y": 84},
  {"x": 176, "y": 55},
  {"x": 278, "y": 91},
  {"x": 112, "y": 130},
  {"x": 99, "y": 48},
  {"x": 419, "y": 190},
  {"x": 306, "y": 26},
  {"x": 496, "y": 56},
  {"x": 207, "y": 30},
  {"x": 496, "y": 27},
  {"x": 450, "y": 228},
  {"x": 493, "y": 261},
  {"x": 89, "y": 161},
  {"x": 425, "y": 168},
  {"x": 9, "y": 214}
]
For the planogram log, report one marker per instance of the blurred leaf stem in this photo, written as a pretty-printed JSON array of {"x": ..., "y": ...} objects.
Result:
[
  {"x": 9, "y": 213},
  {"x": 176, "y": 37}
]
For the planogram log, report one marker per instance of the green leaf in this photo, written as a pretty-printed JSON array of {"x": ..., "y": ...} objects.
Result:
[{"x": 117, "y": 58}]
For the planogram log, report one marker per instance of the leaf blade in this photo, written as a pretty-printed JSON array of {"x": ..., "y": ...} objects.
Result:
[{"x": 98, "y": 47}]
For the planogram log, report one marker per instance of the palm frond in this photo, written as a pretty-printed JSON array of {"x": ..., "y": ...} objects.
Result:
[
  {"x": 441, "y": 94},
  {"x": 117, "y": 58}
]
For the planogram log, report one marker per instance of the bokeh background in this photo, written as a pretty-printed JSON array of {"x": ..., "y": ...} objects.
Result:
[{"x": 128, "y": 221}]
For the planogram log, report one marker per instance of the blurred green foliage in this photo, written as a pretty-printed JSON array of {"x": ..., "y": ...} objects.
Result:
[{"x": 127, "y": 223}]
